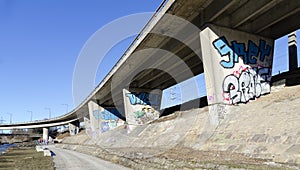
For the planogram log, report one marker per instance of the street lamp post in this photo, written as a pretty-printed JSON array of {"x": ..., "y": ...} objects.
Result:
[
  {"x": 30, "y": 115},
  {"x": 10, "y": 117},
  {"x": 47, "y": 108},
  {"x": 66, "y": 106},
  {"x": 1, "y": 122}
]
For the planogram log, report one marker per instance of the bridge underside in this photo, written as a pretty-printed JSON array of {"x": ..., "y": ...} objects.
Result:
[
  {"x": 149, "y": 68},
  {"x": 266, "y": 18}
]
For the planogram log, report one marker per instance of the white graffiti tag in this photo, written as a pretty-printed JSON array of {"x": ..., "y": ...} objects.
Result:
[{"x": 250, "y": 84}]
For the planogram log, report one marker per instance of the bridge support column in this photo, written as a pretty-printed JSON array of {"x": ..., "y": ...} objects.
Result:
[
  {"x": 141, "y": 106},
  {"x": 293, "y": 58},
  {"x": 237, "y": 66},
  {"x": 102, "y": 119},
  {"x": 45, "y": 134},
  {"x": 74, "y": 127},
  {"x": 87, "y": 124},
  {"x": 94, "y": 128}
]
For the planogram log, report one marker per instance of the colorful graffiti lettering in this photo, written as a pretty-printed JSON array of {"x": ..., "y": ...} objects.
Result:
[
  {"x": 143, "y": 98},
  {"x": 108, "y": 118},
  {"x": 146, "y": 111},
  {"x": 246, "y": 84},
  {"x": 104, "y": 127},
  {"x": 236, "y": 50},
  {"x": 139, "y": 114},
  {"x": 106, "y": 114}
]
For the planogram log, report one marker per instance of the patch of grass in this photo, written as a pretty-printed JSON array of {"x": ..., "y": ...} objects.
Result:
[{"x": 24, "y": 159}]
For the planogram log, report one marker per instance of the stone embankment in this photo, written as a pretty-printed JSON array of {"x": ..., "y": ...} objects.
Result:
[{"x": 262, "y": 134}]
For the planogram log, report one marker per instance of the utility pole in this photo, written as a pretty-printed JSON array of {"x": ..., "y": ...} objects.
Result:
[
  {"x": 172, "y": 94},
  {"x": 47, "y": 108},
  {"x": 10, "y": 117},
  {"x": 30, "y": 115},
  {"x": 67, "y": 107},
  {"x": 1, "y": 122}
]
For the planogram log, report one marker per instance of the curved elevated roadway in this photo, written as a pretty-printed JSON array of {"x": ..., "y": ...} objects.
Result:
[{"x": 267, "y": 18}]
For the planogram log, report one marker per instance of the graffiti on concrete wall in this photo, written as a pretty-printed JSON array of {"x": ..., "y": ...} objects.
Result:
[
  {"x": 250, "y": 55},
  {"x": 246, "y": 84},
  {"x": 107, "y": 118},
  {"x": 144, "y": 106},
  {"x": 143, "y": 98}
]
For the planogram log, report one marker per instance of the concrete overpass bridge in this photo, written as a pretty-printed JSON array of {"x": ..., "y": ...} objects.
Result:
[{"x": 230, "y": 41}]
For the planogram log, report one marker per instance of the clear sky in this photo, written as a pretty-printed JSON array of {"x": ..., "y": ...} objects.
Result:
[{"x": 40, "y": 41}]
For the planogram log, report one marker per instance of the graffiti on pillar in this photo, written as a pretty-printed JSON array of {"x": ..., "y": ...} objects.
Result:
[
  {"x": 107, "y": 118},
  {"x": 246, "y": 84},
  {"x": 143, "y": 98},
  {"x": 250, "y": 55},
  {"x": 147, "y": 106}
]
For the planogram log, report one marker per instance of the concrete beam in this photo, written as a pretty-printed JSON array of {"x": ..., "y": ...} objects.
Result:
[
  {"x": 251, "y": 10},
  {"x": 282, "y": 11},
  {"x": 216, "y": 8}
]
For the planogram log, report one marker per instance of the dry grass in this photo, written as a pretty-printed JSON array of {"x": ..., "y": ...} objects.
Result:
[{"x": 25, "y": 158}]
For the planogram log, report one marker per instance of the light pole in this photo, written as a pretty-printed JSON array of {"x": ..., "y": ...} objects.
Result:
[
  {"x": 67, "y": 106},
  {"x": 47, "y": 108},
  {"x": 30, "y": 115},
  {"x": 10, "y": 117},
  {"x": 1, "y": 122}
]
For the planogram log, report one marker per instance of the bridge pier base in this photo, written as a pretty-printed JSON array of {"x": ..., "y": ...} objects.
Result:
[
  {"x": 101, "y": 119},
  {"x": 237, "y": 66},
  {"x": 87, "y": 124},
  {"x": 45, "y": 134},
  {"x": 74, "y": 127},
  {"x": 141, "y": 106}
]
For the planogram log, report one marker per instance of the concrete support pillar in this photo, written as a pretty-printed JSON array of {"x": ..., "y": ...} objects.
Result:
[
  {"x": 94, "y": 118},
  {"x": 293, "y": 60},
  {"x": 87, "y": 124},
  {"x": 45, "y": 134},
  {"x": 237, "y": 66},
  {"x": 102, "y": 119},
  {"x": 141, "y": 106},
  {"x": 74, "y": 127}
]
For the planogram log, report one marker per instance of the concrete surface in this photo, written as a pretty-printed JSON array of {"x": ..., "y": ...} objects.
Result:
[
  {"x": 265, "y": 129},
  {"x": 70, "y": 160}
]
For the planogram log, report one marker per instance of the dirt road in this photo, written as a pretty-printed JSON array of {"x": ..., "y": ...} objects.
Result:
[{"x": 66, "y": 159}]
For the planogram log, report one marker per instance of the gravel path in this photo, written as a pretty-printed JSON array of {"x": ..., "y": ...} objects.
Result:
[{"x": 66, "y": 159}]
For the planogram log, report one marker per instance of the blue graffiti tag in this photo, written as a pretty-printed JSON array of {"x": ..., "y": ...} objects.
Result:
[
  {"x": 237, "y": 50},
  {"x": 143, "y": 98},
  {"x": 107, "y": 114}
]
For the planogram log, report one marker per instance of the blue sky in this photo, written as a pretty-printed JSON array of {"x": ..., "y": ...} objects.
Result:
[
  {"x": 39, "y": 44},
  {"x": 41, "y": 40}
]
